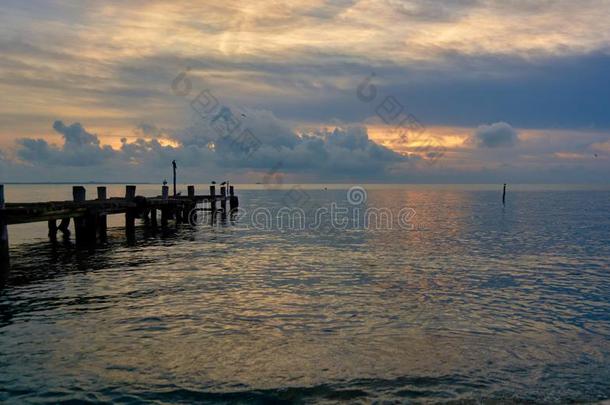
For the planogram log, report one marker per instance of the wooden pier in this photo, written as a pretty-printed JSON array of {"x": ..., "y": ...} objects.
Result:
[{"x": 89, "y": 216}]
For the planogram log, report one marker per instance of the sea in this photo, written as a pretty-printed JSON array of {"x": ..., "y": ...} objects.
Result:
[{"x": 315, "y": 293}]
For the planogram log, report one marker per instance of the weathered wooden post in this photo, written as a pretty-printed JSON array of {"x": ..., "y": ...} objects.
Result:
[
  {"x": 79, "y": 195},
  {"x": 102, "y": 220},
  {"x": 213, "y": 198},
  {"x": 504, "y": 195},
  {"x": 153, "y": 218},
  {"x": 188, "y": 207},
  {"x": 52, "y": 224},
  {"x": 130, "y": 214},
  {"x": 4, "y": 248},
  {"x": 164, "y": 209},
  {"x": 233, "y": 200},
  {"x": 174, "y": 168},
  {"x": 64, "y": 227},
  {"x": 223, "y": 199}
]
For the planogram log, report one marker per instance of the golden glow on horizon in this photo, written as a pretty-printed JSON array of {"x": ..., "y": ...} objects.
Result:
[{"x": 262, "y": 49}]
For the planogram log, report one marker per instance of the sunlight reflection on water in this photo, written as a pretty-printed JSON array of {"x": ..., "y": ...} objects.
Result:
[{"x": 479, "y": 302}]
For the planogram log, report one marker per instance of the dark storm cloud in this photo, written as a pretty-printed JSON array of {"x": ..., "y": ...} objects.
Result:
[
  {"x": 496, "y": 135},
  {"x": 80, "y": 148},
  {"x": 569, "y": 92},
  {"x": 327, "y": 154}
]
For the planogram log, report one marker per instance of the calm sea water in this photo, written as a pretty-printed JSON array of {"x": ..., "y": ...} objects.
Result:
[{"x": 475, "y": 302}]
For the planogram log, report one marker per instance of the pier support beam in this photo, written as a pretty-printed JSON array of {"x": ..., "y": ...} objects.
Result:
[
  {"x": 223, "y": 199},
  {"x": 79, "y": 195},
  {"x": 130, "y": 215},
  {"x": 52, "y": 230},
  {"x": 189, "y": 206},
  {"x": 213, "y": 199},
  {"x": 102, "y": 220},
  {"x": 64, "y": 227},
  {"x": 164, "y": 210},
  {"x": 233, "y": 200},
  {"x": 153, "y": 218},
  {"x": 4, "y": 248}
]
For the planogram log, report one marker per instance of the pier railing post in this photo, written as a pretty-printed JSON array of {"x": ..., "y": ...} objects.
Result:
[
  {"x": 4, "y": 247},
  {"x": 79, "y": 195},
  {"x": 102, "y": 219}
]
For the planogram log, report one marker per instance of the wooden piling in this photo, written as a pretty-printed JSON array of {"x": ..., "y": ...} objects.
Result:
[
  {"x": 174, "y": 169},
  {"x": 64, "y": 227},
  {"x": 189, "y": 206},
  {"x": 4, "y": 247},
  {"x": 79, "y": 195},
  {"x": 223, "y": 200},
  {"x": 153, "y": 218},
  {"x": 52, "y": 224},
  {"x": 233, "y": 200},
  {"x": 213, "y": 198},
  {"x": 504, "y": 195},
  {"x": 130, "y": 214},
  {"x": 102, "y": 220},
  {"x": 164, "y": 211}
]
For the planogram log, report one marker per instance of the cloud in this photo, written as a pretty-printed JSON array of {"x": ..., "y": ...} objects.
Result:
[
  {"x": 80, "y": 148},
  {"x": 149, "y": 130},
  {"x": 336, "y": 153},
  {"x": 498, "y": 135}
]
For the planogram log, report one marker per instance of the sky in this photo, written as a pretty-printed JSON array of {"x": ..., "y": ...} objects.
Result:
[{"x": 378, "y": 91}]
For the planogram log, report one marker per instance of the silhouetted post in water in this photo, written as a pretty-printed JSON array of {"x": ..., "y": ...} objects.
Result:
[
  {"x": 504, "y": 195},
  {"x": 130, "y": 215},
  {"x": 233, "y": 201},
  {"x": 223, "y": 201},
  {"x": 213, "y": 198},
  {"x": 52, "y": 230},
  {"x": 188, "y": 207},
  {"x": 164, "y": 210},
  {"x": 102, "y": 219},
  {"x": 79, "y": 195},
  {"x": 174, "y": 167},
  {"x": 153, "y": 217},
  {"x": 64, "y": 226},
  {"x": 4, "y": 249}
]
